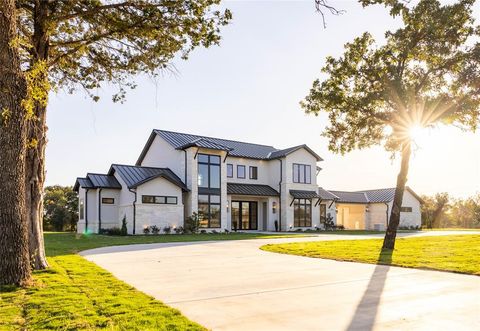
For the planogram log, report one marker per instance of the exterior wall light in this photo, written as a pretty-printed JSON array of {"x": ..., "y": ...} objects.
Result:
[
  {"x": 274, "y": 207},
  {"x": 228, "y": 206},
  {"x": 367, "y": 209}
]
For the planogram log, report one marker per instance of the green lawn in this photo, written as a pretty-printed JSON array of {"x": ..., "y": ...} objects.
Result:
[
  {"x": 459, "y": 253},
  {"x": 75, "y": 294}
]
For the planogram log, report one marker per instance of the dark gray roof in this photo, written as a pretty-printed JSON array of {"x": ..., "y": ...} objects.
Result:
[
  {"x": 236, "y": 148},
  {"x": 251, "y": 189},
  {"x": 284, "y": 152},
  {"x": 135, "y": 176},
  {"x": 326, "y": 195},
  {"x": 205, "y": 143},
  {"x": 104, "y": 181},
  {"x": 350, "y": 197},
  {"x": 386, "y": 194},
  {"x": 299, "y": 194},
  {"x": 83, "y": 183}
]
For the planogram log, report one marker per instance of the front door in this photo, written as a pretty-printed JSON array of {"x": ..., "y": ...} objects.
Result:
[{"x": 244, "y": 215}]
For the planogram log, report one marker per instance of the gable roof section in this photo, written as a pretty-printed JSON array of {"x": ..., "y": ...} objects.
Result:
[
  {"x": 235, "y": 148},
  {"x": 97, "y": 181},
  {"x": 284, "y": 152},
  {"x": 350, "y": 197},
  {"x": 386, "y": 194},
  {"x": 134, "y": 176},
  {"x": 83, "y": 183},
  {"x": 251, "y": 189}
]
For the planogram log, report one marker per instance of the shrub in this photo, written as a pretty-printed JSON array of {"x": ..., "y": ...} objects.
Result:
[
  {"x": 179, "y": 230},
  {"x": 124, "y": 226},
  {"x": 192, "y": 223},
  {"x": 115, "y": 231},
  {"x": 340, "y": 227},
  {"x": 203, "y": 231},
  {"x": 146, "y": 230},
  {"x": 299, "y": 230},
  {"x": 226, "y": 231},
  {"x": 155, "y": 229},
  {"x": 214, "y": 231},
  {"x": 167, "y": 229}
]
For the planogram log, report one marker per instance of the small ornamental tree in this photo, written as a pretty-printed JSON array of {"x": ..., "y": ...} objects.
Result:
[{"x": 426, "y": 72}]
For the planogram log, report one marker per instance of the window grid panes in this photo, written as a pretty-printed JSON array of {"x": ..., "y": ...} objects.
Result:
[
  {"x": 159, "y": 199},
  {"x": 302, "y": 213},
  {"x": 240, "y": 171},
  {"x": 253, "y": 172},
  {"x": 302, "y": 173},
  {"x": 209, "y": 210},
  {"x": 208, "y": 171},
  {"x": 229, "y": 170}
]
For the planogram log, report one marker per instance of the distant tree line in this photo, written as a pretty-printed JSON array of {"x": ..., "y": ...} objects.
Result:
[
  {"x": 60, "y": 208},
  {"x": 444, "y": 211}
]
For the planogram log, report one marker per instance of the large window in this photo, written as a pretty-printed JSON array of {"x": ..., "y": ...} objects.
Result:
[
  {"x": 229, "y": 170},
  {"x": 253, "y": 173},
  {"x": 302, "y": 173},
  {"x": 208, "y": 171},
  {"x": 81, "y": 210},
  {"x": 302, "y": 215},
  {"x": 240, "y": 171},
  {"x": 161, "y": 200},
  {"x": 209, "y": 210}
]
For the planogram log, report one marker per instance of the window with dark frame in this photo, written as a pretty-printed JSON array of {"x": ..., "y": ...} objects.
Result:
[
  {"x": 208, "y": 171},
  {"x": 108, "y": 201},
  {"x": 323, "y": 212},
  {"x": 159, "y": 199},
  {"x": 302, "y": 173},
  {"x": 302, "y": 213},
  {"x": 209, "y": 210},
  {"x": 406, "y": 209},
  {"x": 229, "y": 170},
  {"x": 253, "y": 172},
  {"x": 240, "y": 171}
]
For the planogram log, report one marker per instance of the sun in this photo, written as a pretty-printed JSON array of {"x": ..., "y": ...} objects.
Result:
[{"x": 416, "y": 133}]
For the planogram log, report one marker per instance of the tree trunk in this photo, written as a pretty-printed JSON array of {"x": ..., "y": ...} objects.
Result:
[
  {"x": 14, "y": 257},
  {"x": 35, "y": 157},
  {"x": 391, "y": 234}
]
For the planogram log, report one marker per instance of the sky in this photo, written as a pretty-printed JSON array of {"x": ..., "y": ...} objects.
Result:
[{"x": 249, "y": 89}]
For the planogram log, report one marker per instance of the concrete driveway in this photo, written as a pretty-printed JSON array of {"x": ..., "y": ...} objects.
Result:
[{"x": 232, "y": 285}]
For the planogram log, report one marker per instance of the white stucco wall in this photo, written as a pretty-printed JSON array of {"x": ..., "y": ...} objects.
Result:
[
  {"x": 415, "y": 217},
  {"x": 163, "y": 155},
  {"x": 109, "y": 212},
  {"x": 263, "y": 171}
]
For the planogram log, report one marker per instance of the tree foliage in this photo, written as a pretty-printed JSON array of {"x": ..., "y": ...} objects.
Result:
[
  {"x": 442, "y": 211},
  {"x": 426, "y": 72},
  {"x": 60, "y": 208},
  {"x": 89, "y": 42}
]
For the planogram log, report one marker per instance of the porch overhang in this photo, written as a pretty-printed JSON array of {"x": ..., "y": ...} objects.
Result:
[{"x": 251, "y": 189}]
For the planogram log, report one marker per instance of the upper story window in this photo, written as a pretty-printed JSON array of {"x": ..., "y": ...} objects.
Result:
[
  {"x": 208, "y": 171},
  {"x": 302, "y": 173},
  {"x": 229, "y": 170},
  {"x": 406, "y": 209},
  {"x": 253, "y": 173},
  {"x": 240, "y": 171}
]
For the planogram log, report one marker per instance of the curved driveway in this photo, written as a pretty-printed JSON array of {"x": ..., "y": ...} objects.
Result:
[{"x": 233, "y": 285}]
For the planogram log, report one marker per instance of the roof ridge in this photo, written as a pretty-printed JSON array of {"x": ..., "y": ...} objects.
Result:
[
  {"x": 96, "y": 173},
  {"x": 197, "y": 135},
  {"x": 135, "y": 166}
]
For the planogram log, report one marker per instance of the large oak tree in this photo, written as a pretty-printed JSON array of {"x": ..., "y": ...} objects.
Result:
[
  {"x": 63, "y": 44},
  {"x": 424, "y": 73}
]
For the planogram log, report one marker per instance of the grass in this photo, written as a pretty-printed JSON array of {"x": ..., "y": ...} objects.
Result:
[
  {"x": 457, "y": 253},
  {"x": 75, "y": 294}
]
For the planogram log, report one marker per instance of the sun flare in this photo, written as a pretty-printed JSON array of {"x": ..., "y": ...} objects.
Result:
[{"x": 416, "y": 133}]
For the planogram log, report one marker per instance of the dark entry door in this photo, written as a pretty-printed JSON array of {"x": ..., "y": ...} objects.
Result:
[{"x": 244, "y": 215}]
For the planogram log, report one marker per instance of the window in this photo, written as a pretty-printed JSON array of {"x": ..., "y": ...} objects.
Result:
[
  {"x": 208, "y": 171},
  {"x": 108, "y": 201},
  {"x": 81, "y": 211},
  {"x": 406, "y": 209},
  {"x": 302, "y": 173},
  {"x": 302, "y": 213},
  {"x": 240, "y": 171},
  {"x": 323, "y": 212},
  {"x": 253, "y": 172},
  {"x": 209, "y": 210},
  {"x": 159, "y": 200},
  {"x": 229, "y": 170}
]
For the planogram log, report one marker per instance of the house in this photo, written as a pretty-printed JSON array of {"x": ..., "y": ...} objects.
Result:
[
  {"x": 232, "y": 185},
  {"x": 370, "y": 209}
]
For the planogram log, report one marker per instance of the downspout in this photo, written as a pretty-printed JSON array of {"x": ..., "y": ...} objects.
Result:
[
  {"x": 86, "y": 210},
  {"x": 134, "y": 209},
  {"x": 280, "y": 202},
  {"x": 185, "y": 152},
  {"x": 99, "y": 210}
]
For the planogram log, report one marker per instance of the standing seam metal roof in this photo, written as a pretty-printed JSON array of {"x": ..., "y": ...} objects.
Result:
[
  {"x": 250, "y": 189},
  {"x": 350, "y": 197},
  {"x": 103, "y": 181},
  {"x": 135, "y": 175}
]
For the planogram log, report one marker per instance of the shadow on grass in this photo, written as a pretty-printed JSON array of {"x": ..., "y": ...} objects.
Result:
[{"x": 367, "y": 309}]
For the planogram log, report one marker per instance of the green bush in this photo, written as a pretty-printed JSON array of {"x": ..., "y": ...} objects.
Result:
[{"x": 124, "y": 226}]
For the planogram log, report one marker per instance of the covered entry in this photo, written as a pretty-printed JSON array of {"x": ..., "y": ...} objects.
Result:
[{"x": 245, "y": 215}]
